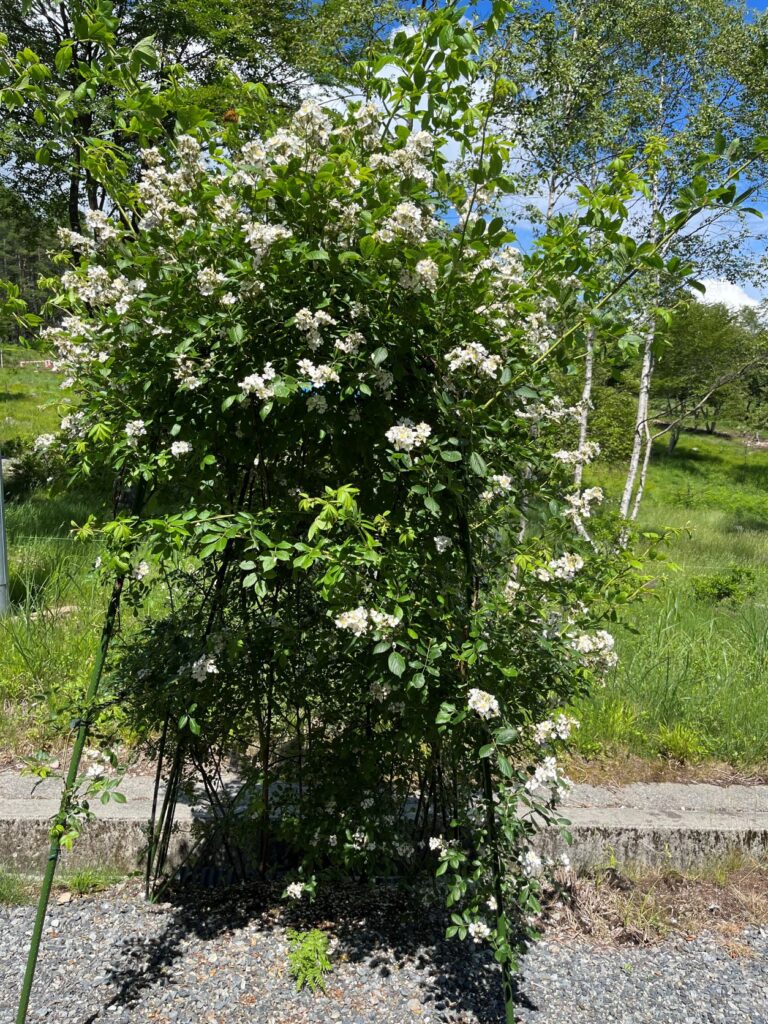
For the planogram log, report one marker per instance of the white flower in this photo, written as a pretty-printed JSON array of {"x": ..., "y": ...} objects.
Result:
[
  {"x": 141, "y": 570},
  {"x": 319, "y": 375},
  {"x": 260, "y": 384},
  {"x": 566, "y": 567},
  {"x": 261, "y": 237},
  {"x": 474, "y": 356},
  {"x": 382, "y": 621},
  {"x": 380, "y": 691},
  {"x": 544, "y": 775},
  {"x": 349, "y": 342},
  {"x": 333, "y": 840},
  {"x": 586, "y": 453},
  {"x": 356, "y": 621},
  {"x": 531, "y": 863},
  {"x": 204, "y": 666},
  {"x": 442, "y": 544},
  {"x": 44, "y": 442},
  {"x": 208, "y": 280},
  {"x": 501, "y": 484},
  {"x": 135, "y": 429},
  {"x": 491, "y": 903},
  {"x": 228, "y": 299},
  {"x": 479, "y": 931},
  {"x": 484, "y": 704},
  {"x": 103, "y": 228},
  {"x": 424, "y": 277},
  {"x": 180, "y": 448},
  {"x": 405, "y": 222},
  {"x": 311, "y": 324},
  {"x": 436, "y": 843},
  {"x": 511, "y": 589},
  {"x": 597, "y": 649},
  {"x": 294, "y": 891},
  {"x": 580, "y": 504},
  {"x": 558, "y": 728},
  {"x": 405, "y": 437}
]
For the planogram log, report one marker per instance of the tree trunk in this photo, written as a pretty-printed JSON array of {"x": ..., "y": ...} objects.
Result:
[
  {"x": 586, "y": 399},
  {"x": 641, "y": 426}
]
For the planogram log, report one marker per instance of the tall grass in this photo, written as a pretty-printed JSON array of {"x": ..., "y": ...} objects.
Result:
[{"x": 692, "y": 679}]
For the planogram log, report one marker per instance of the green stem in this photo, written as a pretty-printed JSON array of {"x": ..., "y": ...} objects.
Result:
[
  {"x": 493, "y": 839},
  {"x": 66, "y": 797}
]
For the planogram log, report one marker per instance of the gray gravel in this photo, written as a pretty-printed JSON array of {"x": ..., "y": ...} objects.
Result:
[{"x": 222, "y": 959}]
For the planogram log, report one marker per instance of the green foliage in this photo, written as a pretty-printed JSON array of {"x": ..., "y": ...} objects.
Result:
[
  {"x": 87, "y": 881},
  {"x": 612, "y": 423},
  {"x": 14, "y": 890},
  {"x": 736, "y": 584},
  {"x": 308, "y": 959}
]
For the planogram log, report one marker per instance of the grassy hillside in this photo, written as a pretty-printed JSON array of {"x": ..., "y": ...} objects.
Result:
[{"x": 692, "y": 681}]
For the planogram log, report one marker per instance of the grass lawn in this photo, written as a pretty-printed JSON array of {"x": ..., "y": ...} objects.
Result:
[
  {"x": 692, "y": 680},
  {"x": 46, "y": 647}
]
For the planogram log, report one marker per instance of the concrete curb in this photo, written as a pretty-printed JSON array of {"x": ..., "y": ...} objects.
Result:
[{"x": 663, "y": 825}]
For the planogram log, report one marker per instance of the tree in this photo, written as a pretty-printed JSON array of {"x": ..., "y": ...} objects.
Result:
[
  {"x": 668, "y": 79},
  {"x": 281, "y": 47},
  {"x": 706, "y": 365}
]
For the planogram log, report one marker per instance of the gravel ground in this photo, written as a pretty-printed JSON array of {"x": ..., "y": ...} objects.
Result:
[{"x": 223, "y": 959}]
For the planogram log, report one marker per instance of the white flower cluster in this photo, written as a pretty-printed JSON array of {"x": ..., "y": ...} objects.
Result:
[
  {"x": 531, "y": 864},
  {"x": 585, "y": 453},
  {"x": 580, "y": 503},
  {"x": 103, "y": 227},
  {"x": 405, "y": 437},
  {"x": 319, "y": 375},
  {"x": 566, "y": 567},
  {"x": 554, "y": 411},
  {"x": 141, "y": 570},
  {"x": 501, "y": 484},
  {"x": 545, "y": 774},
  {"x": 44, "y": 442},
  {"x": 180, "y": 448},
  {"x": 442, "y": 544},
  {"x": 479, "y": 931},
  {"x": 260, "y": 384},
  {"x": 134, "y": 429},
  {"x": 157, "y": 184},
  {"x": 406, "y": 222},
  {"x": 311, "y": 324},
  {"x": 203, "y": 667},
  {"x": 367, "y": 121},
  {"x": 539, "y": 334},
  {"x": 73, "y": 425},
  {"x": 409, "y": 161},
  {"x": 557, "y": 728},
  {"x": 364, "y": 620},
  {"x": 484, "y": 704},
  {"x": 261, "y": 237},
  {"x": 511, "y": 589},
  {"x": 294, "y": 891},
  {"x": 186, "y": 373},
  {"x": 312, "y": 123},
  {"x": 349, "y": 343},
  {"x": 474, "y": 356},
  {"x": 98, "y": 289},
  {"x": 74, "y": 240},
  {"x": 380, "y": 691},
  {"x": 424, "y": 277},
  {"x": 596, "y": 649},
  {"x": 208, "y": 280}
]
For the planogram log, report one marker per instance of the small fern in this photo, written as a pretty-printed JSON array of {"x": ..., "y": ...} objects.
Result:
[{"x": 308, "y": 958}]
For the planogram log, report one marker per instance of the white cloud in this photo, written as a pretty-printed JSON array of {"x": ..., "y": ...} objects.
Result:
[{"x": 729, "y": 294}]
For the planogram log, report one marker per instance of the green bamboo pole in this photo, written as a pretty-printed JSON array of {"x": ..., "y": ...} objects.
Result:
[
  {"x": 74, "y": 767},
  {"x": 506, "y": 972}
]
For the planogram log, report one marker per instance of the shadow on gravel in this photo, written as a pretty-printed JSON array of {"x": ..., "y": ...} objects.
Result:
[{"x": 383, "y": 927}]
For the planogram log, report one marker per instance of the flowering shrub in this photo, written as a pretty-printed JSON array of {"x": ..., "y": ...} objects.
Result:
[{"x": 322, "y": 371}]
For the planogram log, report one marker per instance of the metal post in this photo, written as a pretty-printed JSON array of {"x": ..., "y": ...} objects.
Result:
[{"x": 5, "y": 597}]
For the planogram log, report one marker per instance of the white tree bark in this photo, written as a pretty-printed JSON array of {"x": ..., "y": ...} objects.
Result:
[
  {"x": 641, "y": 426},
  {"x": 586, "y": 401}
]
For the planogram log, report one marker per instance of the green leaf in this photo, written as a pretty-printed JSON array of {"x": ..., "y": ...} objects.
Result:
[
  {"x": 485, "y": 751},
  {"x": 450, "y": 456},
  {"x": 63, "y": 58},
  {"x": 477, "y": 464},
  {"x": 396, "y": 663}
]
